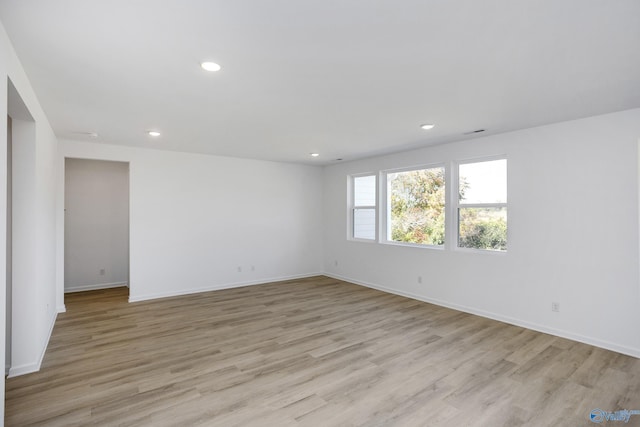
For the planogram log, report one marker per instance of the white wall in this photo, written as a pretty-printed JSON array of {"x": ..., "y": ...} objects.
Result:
[
  {"x": 195, "y": 219},
  {"x": 573, "y": 234},
  {"x": 96, "y": 224},
  {"x": 34, "y": 257}
]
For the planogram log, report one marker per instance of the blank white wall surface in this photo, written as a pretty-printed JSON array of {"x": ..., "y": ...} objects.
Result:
[{"x": 34, "y": 299}]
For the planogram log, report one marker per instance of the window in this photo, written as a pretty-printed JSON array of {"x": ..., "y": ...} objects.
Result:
[
  {"x": 364, "y": 207},
  {"x": 416, "y": 206},
  {"x": 482, "y": 205}
]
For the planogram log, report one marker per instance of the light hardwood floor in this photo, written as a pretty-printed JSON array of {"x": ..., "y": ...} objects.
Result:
[{"x": 312, "y": 352}]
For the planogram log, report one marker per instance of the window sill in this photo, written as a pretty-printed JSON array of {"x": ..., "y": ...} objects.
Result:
[
  {"x": 480, "y": 251},
  {"x": 413, "y": 245}
]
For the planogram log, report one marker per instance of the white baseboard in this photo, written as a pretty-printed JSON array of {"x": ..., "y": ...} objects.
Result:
[
  {"x": 138, "y": 298},
  {"x": 94, "y": 287},
  {"x": 630, "y": 351},
  {"x": 29, "y": 368}
]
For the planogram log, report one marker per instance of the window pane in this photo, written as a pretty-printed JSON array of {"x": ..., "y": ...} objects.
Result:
[
  {"x": 364, "y": 223},
  {"x": 364, "y": 190},
  {"x": 416, "y": 206},
  {"x": 483, "y": 228},
  {"x": 483, "y": 182}
]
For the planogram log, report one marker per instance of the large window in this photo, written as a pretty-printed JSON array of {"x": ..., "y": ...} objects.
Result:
[
  {"x": 364, "y": 207},
  {"x": 482, "y": 205},
  {"x": 416, "y": 206}
]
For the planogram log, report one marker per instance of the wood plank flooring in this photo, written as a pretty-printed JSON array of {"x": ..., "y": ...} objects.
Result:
[{"x": 312, "y": 352}]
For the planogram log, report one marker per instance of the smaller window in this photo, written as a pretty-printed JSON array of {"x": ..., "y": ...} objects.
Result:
[
  {"x": 482, "y": 205},
  {"x": 364, "y": 207}
]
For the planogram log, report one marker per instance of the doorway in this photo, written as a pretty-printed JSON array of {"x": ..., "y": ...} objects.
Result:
[
  {"x": 96, "y": 225},
  {"x": 20, "y": 211},
  {"x": 7, "y": 348}
]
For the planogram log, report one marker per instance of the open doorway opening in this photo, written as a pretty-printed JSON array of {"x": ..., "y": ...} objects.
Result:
[
  {"x": 96, "y": 225},
  {"x": 20, "y": 271},
  {"x": 7, "y": 348}
]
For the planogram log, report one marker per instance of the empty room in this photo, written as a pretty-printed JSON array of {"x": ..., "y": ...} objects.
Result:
[{"x": 320, "y": 213}]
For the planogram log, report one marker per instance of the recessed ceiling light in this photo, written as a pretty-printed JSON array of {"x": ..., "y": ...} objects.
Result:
[
  {"x": 210, "y": 66},
  {"x": 314, "y": 154},
  {"x": 154, "y": 133},
  {"x": 427, "y": 126}
]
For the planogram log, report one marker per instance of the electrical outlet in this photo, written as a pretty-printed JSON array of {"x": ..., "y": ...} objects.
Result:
[
  {"x": 335, "y": 262},
  {"x": 239, "y": 269},
  {"x": 102, "y": 271},
  {"x": 419, "y": 279},
  {"x": 253, "y": 268},
  {"x": 555, "y": 307}
]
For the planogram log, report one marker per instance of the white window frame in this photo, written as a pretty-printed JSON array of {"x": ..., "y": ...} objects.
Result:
[
  {"x": 385, "y": 219},
  {"x": 456, "y": 205},
  {"x": 352, "y": 208}
]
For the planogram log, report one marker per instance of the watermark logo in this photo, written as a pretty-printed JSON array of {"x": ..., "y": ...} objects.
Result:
[{"x": 599, "y": 416}]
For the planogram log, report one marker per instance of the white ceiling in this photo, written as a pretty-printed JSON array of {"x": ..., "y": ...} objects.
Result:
[{"x": 345, "y": 78}]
